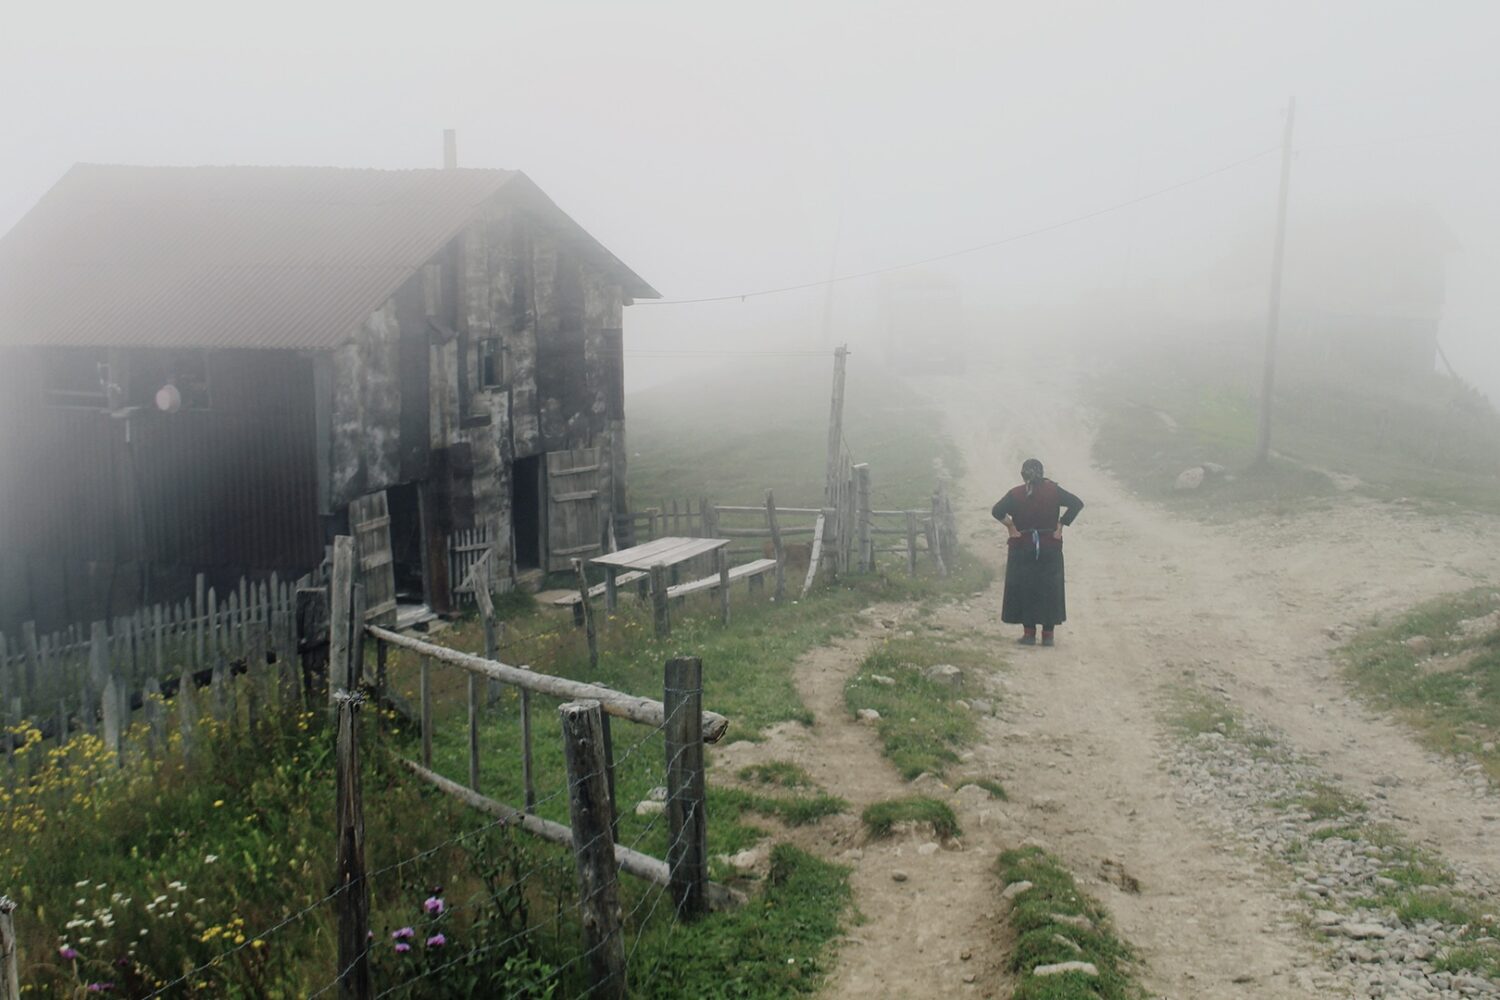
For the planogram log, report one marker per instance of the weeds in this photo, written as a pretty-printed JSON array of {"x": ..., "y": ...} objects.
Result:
[{"x": 880, "y": 818}]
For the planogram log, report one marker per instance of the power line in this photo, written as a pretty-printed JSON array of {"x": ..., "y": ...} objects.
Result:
[{"x": 973, "y": 249}]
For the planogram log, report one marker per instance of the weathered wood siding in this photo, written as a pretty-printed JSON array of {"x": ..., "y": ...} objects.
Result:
[{"x": 100, "y": 514}]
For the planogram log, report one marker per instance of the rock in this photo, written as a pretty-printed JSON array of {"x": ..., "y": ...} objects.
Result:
[
  {"x": 1072, "y": 920},
  {"x": 1214, "y": 470},
  {"x": 1086, "y": 968},
  {"x": 882, "y": 679},
  {"x": 750, "y": 858},
  {"x": 960, "y": 704},
  {"x": 1189, "y": 479},
  {"x": 650, "y": 807},
  {"x": 946, "y": 674},
  {"x": 1419, "y": 644},
  {"x": 969, "y": 977},
  {"x": 1387, "y": 781},
  {"x": 928, "y": 849},
  {"x": 1015, "y": 889},
  {"x": 898, "y": 876},
  {"x": 982, "y": 706},
  {"x": 1361, "y": 932},
  {"x": 867, "y": 715},
  {"x": 965, "y": 955},
  {"x": 658, "y": 794},
  {"x": 1327, "y": 918},
  {"x": 1067, "y": 942},
  {"x": 972, "y": 795}
]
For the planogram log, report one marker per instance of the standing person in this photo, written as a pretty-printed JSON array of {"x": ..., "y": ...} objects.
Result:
[{"x": 1034, "y": 592}]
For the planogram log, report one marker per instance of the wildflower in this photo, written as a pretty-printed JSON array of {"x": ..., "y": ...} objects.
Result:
[
  {"x": 436, "y": 941},
  {"x": 433, "y": 905},
  {"x": 257, "y": 943},
  {"x": 402, "y": 947},
  {"x": 209, "y": 859},
  {"x": 404, "y": 934},
  {"x": 218, "y": 803},
  {"x": 81, "y": 885},
  {"x": 100, "y": 987},
  {"x": 67, "y": 953}
]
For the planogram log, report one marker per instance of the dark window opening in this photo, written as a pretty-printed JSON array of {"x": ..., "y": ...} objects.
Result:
[
  {"x": 491, "y": 363},
  {"x": 185, "y": 372},
  {"x": 614, "y": 381},
  {"x": 77, "y": 377},
  {"x": 526, "y": 511}
]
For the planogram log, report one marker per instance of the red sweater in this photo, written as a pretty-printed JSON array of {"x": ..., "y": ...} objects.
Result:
[{"x": 1048, "y": 506}]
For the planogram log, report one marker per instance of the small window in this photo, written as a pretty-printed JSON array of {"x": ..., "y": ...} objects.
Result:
[
  {"x": 77, "y": 378},
  {"x": 491, "y": 363}
]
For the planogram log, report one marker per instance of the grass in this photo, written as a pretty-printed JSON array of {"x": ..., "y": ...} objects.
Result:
[
  {"x": 880, "y": 818},
  {"x": 921, "y": 728},
  {"x": 1432, "y": 439},
  {"x": 1450, "y": 696},
  {"x": 988, "y": 784},
  {"x": 782, "y": 773},
  {"x": 1044, "y": 939},
  {"x": 768, "y": 949}
]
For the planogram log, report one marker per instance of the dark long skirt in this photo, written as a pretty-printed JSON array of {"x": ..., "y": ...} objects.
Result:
[{"x": 1034, "y": 590}]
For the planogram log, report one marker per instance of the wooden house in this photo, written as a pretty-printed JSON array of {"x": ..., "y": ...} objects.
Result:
[{"x": 213, "y": 370}]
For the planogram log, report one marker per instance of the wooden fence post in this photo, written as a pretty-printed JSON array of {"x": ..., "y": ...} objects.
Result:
[
  {"x": 659, "y": 602},
  {"x": 587, "y": 605},
  {"x": 687, "y": 831},
  {"x": 353, "y": 892},
  {"x": 936, "y": 538},
  {"x": 777, "y": 548},
  {"x": 862, "y": 517},
  {"x": 593, "y": 849},
  {"x": 313, "y": 629},
  {"x": 528, "y": 777},
  {"x": 10, "y": 977},
  {"x": 474, "y": 731},
  {"x": 424, "y": 684},
  {"x": 721, "y": 559},
  {"x": 340, "y": 612},
  {"x": 911, "y": 543}
]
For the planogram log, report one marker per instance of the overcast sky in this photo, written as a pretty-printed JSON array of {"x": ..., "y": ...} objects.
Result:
[{"x": 720, "y": 149}]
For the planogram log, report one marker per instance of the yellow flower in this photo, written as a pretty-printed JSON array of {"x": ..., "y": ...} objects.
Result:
[{"x": 218, "y": 803}]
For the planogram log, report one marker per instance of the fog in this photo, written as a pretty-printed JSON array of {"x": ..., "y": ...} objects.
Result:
[{"x": 723, "y": 150}]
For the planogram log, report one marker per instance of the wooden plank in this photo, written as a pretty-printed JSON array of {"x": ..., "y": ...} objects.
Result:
[
  {"x": 817, "y": 555},
  {"x": 632, "y": 862},
  {"x": 616, "y": 703},
  {"x": 744, "y": 571},
  {"x": 340, "y": 610},
  {"x": 687, "y": 820},
  {"x": 911, "y": 543},
  {"x": 353, "y": 889}
]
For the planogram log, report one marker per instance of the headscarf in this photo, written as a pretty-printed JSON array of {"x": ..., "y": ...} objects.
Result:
[{"x": 1031, "y": 472}]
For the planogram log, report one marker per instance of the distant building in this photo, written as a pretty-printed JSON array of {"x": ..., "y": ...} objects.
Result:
[{"x": 203, "y": 369}]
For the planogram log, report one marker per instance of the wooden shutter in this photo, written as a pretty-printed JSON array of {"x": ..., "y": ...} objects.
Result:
[
  {"x": 575, "y": 513},
  {"x": 370, "y": 520}
]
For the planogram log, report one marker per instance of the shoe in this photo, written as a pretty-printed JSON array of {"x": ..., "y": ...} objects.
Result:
[
  {"x": 1026, "y": 640},
  {"x": 1047, "y": 640}
]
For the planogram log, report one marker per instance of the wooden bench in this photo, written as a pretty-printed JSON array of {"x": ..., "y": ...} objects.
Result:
[
  {"x": 575, "y": 599},
  {"x": 752, "y": 571}
]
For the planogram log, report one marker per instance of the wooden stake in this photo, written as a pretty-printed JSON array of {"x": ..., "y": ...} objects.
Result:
[
  {"x": 659, "y": 603},
  {"x": 911, "y": 543},
  {"x": 587, "y": 604},
  {"x": 425, "y": 684},
  {"x": 687, "y": 836},
  {"x": 528, "y": 775},
  {"x": 721, "y": 557},
  {"x": 353, "y": 902},
  {"x": 340, "y": 610},
  {"x": 10, "y": 975},
  {"x": 593, "y": 849},
  {"x": 862, "y": 517},
  {"x": 777, "y": 548}
]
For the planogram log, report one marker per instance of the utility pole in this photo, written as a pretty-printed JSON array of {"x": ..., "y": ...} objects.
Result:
[
  {"x": 1273, "y": 320},
  {"x": 835, "y": 427}
]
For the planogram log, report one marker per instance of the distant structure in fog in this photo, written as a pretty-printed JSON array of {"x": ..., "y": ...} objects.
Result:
[
  {"x": 1365, "y": 288},
  {"x": 202, "y": 369}
]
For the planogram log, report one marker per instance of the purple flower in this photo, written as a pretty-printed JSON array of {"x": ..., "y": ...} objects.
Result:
[
  {"x": 402, "y": 947},
  {"x": 100, "y": 987},
  {"x": 434, "y": 905},
  {"x": 404, "y": 934},
  {"x": 436, "y": 941},
  {"x": 67, "y": 952}
]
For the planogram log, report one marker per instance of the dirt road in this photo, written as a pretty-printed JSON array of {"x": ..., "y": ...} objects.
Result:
[{"x": 1156, "y": 600}]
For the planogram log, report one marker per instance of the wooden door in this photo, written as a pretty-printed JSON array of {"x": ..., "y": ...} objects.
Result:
[
  {"x": 575, "y": 509},
  {"x": 370, "y": 521}
]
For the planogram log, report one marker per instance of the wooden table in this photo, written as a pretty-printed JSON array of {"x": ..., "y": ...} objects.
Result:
[{"x": 669, "y": 551}]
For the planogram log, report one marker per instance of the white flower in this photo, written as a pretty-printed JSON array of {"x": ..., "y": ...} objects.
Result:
[
  {"x": 85, "y": 940},
  {"x": 81, "y": 885},
  {"x": 209, "y": 859},
  {"x": 143, "y": 932},
  {"x": 158, "y": 900},
  {"x": 80, "y": 902},
  {"x": 74, "y": 923},
  {"x": 178, "y": 886}
]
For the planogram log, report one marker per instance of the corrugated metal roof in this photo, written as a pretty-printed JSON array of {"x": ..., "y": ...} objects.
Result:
[{"x": 267, "y": 257}]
